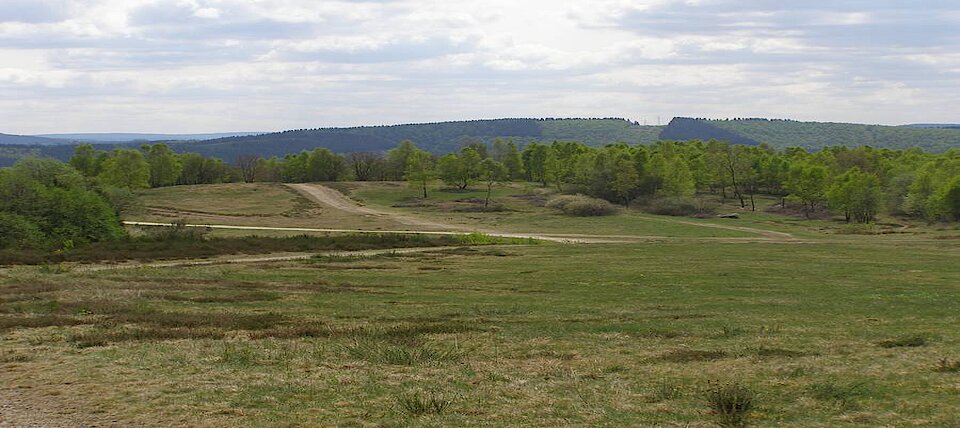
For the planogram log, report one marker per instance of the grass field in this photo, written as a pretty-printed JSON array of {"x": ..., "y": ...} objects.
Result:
[
  {"x": 831, "y": 330},
  {"x": 260, "y": 204}
]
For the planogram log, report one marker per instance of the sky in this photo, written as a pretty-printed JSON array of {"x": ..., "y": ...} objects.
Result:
[{"x": 189, "y": 66}]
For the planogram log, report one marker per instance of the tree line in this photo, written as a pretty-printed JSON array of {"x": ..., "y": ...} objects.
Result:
[{"x": 855, "y": 183}]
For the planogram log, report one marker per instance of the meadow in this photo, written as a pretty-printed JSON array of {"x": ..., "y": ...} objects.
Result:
[{"x": 818, "y": 328}]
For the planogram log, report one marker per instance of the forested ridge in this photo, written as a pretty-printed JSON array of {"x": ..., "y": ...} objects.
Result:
[
  {"x": 441, "y": 137},
  {"x": 448, "y": 137},
  {"x": 782, "y": 133}
]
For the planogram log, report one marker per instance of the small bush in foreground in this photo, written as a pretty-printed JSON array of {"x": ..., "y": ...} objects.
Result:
[
  {"x": 418, "y": 403},
  {"x": 582, "y": 206},
  {"x": 676, "y": 206},
  {"x": 730, "y": 403}
]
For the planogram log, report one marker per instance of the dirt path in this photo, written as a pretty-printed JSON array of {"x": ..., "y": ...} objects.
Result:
[
  {"x": 770, "y": 234},
  {"x": 326, "y": 196},
  {"x": 333, "y": 198}
]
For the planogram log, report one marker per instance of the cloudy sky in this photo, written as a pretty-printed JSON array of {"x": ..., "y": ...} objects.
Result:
[{"x": 251, "y": 65}]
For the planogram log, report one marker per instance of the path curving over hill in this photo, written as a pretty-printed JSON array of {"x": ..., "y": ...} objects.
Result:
[{"x": 332, "y": 198}]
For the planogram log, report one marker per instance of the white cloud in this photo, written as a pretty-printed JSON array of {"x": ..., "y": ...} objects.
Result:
[{"x": 210, "y": 65}]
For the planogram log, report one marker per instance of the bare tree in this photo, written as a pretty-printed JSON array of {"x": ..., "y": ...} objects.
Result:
[
  {"x": 366, "y": 166},
  {"x": 248, "y": 167}
]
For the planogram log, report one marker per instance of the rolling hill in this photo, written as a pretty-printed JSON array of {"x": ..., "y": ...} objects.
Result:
[
  {"x": 445, "y": 137},
  {"x": 813, "y": 135},
  {"x": 442, "y": 137},
  {"x": 122, "y": 137}
]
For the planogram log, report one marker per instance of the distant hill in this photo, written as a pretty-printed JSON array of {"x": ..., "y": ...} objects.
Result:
[
  {"x": 934, "y": 125},
  {"x": 812, "y": 135},
  {"x": 127, "y": 137},
  {"x": 683, "y": 129},
  {"x": 442, "y": 137},
  {"x": 31, "y": 140}
]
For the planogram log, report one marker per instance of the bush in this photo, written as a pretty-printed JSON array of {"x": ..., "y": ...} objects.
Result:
[
  {"x": 676, "y": 206},
  {"x": 581, "y": 206},
  {"x": 18, "y": 232}
]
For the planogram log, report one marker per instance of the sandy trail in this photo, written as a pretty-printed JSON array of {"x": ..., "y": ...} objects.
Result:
[{"x": 333, "y": 198}]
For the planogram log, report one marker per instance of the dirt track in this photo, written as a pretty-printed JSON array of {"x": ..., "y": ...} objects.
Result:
[{"x": 334, "y": 199}]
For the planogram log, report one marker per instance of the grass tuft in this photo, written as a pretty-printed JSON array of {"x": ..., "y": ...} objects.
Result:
[
  {"x": 420, "y": 403},
  {"x": 730, "y": 403},
  {"x": 380, "y": 353}
]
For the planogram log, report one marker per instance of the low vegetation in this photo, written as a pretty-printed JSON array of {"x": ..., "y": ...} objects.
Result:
[
  {"x": 549, "y": 335},
  {"x": 581, "y": 206}
]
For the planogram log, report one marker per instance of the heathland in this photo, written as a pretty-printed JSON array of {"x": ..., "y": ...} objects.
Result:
[{"x": 624, "y": 319}]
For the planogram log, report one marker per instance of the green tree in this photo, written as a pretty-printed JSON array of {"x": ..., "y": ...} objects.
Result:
[
  {"x": 420, "y": 170},
  {"x": 126, "y": 169},
  {"x": 460, "y": 170},
  {"x": 324, "y": 165},
  {"x": 948, "y": 200},
  {"x": 165, "y": 166},
  {"x": 46, "y": 197},
  {"x": 807, "y": 184},
  {"x": 398, "y": 159},
  {"x": 856, "y": 195},
  {"x": 492, "y": 173},
  {"x": 199, "y": 169},
  {"x": 86, "y": 160}
]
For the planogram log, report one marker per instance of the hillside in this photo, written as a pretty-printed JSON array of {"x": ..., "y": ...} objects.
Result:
[
  {"x": 813, "y": 135},
  {"x": 131, "y": 137},
  {"x": 441, "y": 137},
  {"x": 31, "y": 140}
]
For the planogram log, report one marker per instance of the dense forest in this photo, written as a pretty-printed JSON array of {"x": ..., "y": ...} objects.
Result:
[
  {"x": 44, "y": 202},
  {"x": 439, "y": 138},
  {"x": 447, "y": 137},
  {"x": 814, "y": 135},
  {"x": 856, "y": 184}
]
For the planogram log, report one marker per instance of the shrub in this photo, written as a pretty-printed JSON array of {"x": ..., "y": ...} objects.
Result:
[
  {"x": 18, "y": 232},
  {"x": 676, "y": 206},
  {"x": 581, "y": 206}
]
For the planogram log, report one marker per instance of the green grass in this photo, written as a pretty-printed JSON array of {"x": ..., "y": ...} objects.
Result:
[
  {"x": 545, "y": 335},
  {"x": 232, "y": 199},
  {"x": 522, "y": 215}
]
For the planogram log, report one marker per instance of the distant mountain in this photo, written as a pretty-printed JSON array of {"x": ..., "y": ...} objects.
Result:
[
  {"x": 31, "y": 140},
  {"x": 442, "y": 137},
  {"x": 445, "y": 137},
  {"x": 812, "y": 135},
  {"x": 127, "y": 137},
  {"x": 934, "y": 125}
]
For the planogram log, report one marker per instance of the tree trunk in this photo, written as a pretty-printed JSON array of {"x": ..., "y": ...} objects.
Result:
[{"x": 486, "y": 202}]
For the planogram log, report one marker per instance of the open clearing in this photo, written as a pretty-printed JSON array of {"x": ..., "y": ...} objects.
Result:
[{"x": 842, "y": 330}]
